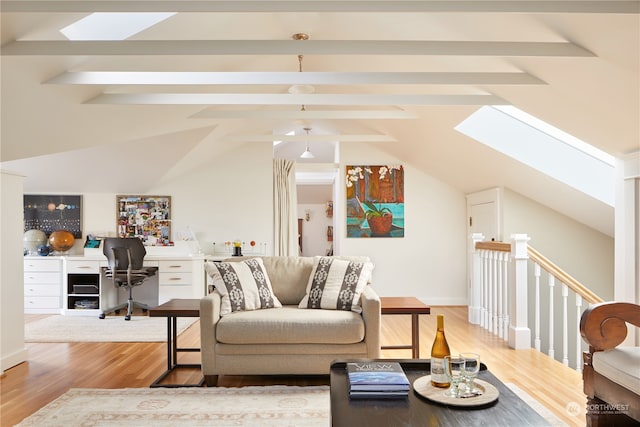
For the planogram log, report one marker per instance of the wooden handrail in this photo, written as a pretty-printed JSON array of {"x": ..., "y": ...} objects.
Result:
[
  {"x": 494, "y": 246},
  {"x": 564, "y": 277}
]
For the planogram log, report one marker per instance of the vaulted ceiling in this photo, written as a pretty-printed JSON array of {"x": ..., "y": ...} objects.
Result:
[{"x": 398, "y": 74}]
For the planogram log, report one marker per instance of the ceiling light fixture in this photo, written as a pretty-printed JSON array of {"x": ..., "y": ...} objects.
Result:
[
  {"x": 296, "y": 88},
  {"x": 307, "y": 153}
]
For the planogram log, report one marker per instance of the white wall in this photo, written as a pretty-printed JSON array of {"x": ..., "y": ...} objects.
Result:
[
  {"x": 12, "y": 349},
  {"x": 228, "y": 199},
  {"x": 314, "y": 231},
  {"x": 584, "y": 253},
  {"x": 429, "y": 262}
]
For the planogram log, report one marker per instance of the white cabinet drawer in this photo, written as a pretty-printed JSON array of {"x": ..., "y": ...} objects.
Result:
[
  {"x": 171, "y": 292},
  {"x": 42, "y": 277},
  {"x": 175, "y": 266},
  {"x": 178, "y": 279},
  {"x": 41, "y": 302},
  {"x": 42, "y": 265},
  {"x": 83, "y": 267},
  {"x": 41, "y": 290}
]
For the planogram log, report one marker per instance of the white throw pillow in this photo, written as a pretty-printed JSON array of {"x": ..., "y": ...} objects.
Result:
[
  {"x": 336, "y": 284},
  {"x": 244, "y": 286}
]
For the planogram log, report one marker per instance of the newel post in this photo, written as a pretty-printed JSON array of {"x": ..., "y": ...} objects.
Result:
[
  {"x": 519, "y": 332},
  {"x": 475, "y": 285}
]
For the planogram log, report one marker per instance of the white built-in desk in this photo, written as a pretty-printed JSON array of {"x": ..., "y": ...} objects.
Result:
[{"x": 75, "y": 284}]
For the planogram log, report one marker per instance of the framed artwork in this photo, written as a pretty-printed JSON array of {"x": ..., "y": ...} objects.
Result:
[
  {"x": 146, "y": 217},
  {"x": 51, "y": 212},
  {"x": 375, "y": 201}
]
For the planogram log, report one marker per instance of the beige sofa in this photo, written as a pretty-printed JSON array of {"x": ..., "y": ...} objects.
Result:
[{"x": 286, "y": 340}]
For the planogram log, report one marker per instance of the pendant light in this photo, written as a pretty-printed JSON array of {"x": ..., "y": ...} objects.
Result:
[{"x": 307, "y": 153}]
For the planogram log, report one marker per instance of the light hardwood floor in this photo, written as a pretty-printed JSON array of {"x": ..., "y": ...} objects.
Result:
[{"x": 54, "y": 368}]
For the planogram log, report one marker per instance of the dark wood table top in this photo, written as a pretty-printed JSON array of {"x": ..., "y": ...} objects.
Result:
[
  {"x": 403, "y": 305},
  {"x": 177, "y": 308},
  {"x": 509, "y": 410}
]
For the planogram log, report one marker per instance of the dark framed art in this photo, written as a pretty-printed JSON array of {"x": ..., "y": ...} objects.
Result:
[
  {"x": 52, "y": 212},
  {"x": 146, "y": 217}
]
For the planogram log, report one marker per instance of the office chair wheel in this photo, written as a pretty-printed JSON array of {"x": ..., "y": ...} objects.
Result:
[
  {"x": 127, "y": 317},
  {"x": 101, "y": 316}
]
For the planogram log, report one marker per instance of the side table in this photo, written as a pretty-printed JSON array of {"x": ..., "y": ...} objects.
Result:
[
  {"x": 173, "y": 309},
  {"x": 406, "y": 305}
]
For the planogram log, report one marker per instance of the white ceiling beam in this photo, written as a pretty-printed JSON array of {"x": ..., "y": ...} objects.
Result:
[
  {"x": 288, "y": 78},
  {"x": 303, "y": 114},
  {"x": 293, "y": 47},
  {"x": 309, "y": 138},
  {"x": 292, "y": 99},
  {"x": 88, "y": 6}
]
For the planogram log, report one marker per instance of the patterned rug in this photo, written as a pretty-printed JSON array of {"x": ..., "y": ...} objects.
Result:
[
  {"x": 282, "y": 406},
  {"x": 91, "y": 329}
]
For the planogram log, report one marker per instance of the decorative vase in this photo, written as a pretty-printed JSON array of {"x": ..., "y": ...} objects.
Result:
[{"x": 380, "y": 225}]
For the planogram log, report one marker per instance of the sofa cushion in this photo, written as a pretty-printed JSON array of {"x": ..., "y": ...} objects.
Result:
[
  {"x": 243, "y": 286},
  {"x": 336, "y": 284},
  {"x": 291, "y": 325},
  {"x": 621, "y": 365}
]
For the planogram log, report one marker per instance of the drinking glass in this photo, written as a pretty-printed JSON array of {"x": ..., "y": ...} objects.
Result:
[
  {"x": 471, "y": 369},
  {"x": 454, "y": 369}
]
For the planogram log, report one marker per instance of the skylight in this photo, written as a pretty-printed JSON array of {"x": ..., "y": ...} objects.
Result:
[
  {"x": 112, "y": 26},
  {"x": 545, "y": 148}
]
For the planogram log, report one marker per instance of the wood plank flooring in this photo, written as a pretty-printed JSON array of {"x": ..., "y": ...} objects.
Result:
[{"x": 54, "y": 368}]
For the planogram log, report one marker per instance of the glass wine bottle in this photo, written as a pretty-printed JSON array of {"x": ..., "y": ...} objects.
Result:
[{"x": 439, "y": 350}]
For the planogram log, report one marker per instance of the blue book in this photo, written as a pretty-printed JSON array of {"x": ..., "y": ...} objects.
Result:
[{"x": 377, "y": 376}]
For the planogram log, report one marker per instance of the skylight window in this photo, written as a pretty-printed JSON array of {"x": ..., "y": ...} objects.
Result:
[
  {"x": 291, "y": 132},
  {"x": 112, "y": 26},
  {"x": 545, "y": 148}
]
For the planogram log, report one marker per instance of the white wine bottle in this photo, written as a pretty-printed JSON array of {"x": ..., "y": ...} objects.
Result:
[{"x": 439, "y": 350}]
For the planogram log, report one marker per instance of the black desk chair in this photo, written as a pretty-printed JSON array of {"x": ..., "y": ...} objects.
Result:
[{"x": 125, "y": 257}]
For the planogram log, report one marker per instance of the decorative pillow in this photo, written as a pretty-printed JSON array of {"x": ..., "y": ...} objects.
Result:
[
  {"x": 244, "y": 286},
  {"x": 336, "y": 284}
]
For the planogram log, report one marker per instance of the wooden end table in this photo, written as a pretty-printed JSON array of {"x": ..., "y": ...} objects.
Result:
[
  {"x": 406, "y": 305},
  {"x": 173, "y": 309}
]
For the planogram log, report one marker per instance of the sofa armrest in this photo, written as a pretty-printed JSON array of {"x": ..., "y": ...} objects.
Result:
[
  {"x": 603, "y": 326},
  {"x": 371, "y": 314},
  {"x": 209, "y": 316}
]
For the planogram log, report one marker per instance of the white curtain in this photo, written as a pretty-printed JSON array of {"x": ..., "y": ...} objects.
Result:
[{"x": 285, "y": 208}]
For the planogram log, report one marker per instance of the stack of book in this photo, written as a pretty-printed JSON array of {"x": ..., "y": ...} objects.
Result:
[{"x": 377, "y": 380}]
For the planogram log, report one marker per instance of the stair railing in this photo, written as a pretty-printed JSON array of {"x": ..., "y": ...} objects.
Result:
[{"x": 501, "y": 297}]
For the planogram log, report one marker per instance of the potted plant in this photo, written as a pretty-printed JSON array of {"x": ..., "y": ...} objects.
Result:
[{"x": 379, "y": 219}]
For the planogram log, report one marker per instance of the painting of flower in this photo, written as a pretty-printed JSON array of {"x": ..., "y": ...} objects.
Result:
[{"x": 375, "y": 201}]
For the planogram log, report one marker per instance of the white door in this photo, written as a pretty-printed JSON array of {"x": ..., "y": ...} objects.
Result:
[{"x": 483, "y": 216}]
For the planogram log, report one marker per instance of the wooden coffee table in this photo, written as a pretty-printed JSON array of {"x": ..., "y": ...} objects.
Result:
[
  {"x": 173, "y": 309},
  {"x": 406, "y": 305},
  {"x": 508, "y": 410}
]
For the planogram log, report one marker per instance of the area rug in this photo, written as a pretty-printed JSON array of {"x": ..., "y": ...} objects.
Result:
[
  {"x": 537, "y": 406},
  {"x": 92, "y": 329},
  {"x": 285, "y": 406}
]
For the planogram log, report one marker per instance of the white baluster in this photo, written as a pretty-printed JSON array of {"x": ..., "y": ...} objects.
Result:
[
  {"x": 536, "y": 272},
  {"x": 565, "y": 327},
  {"x": 578, "y": 337},
  {"x": 505, "y": 300},
  {"x": 485, "y": 280},
  {"x": 551, "y": 351},
  {"x": 494, "y": 293},
  {"x": 499, "y": 290}
]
